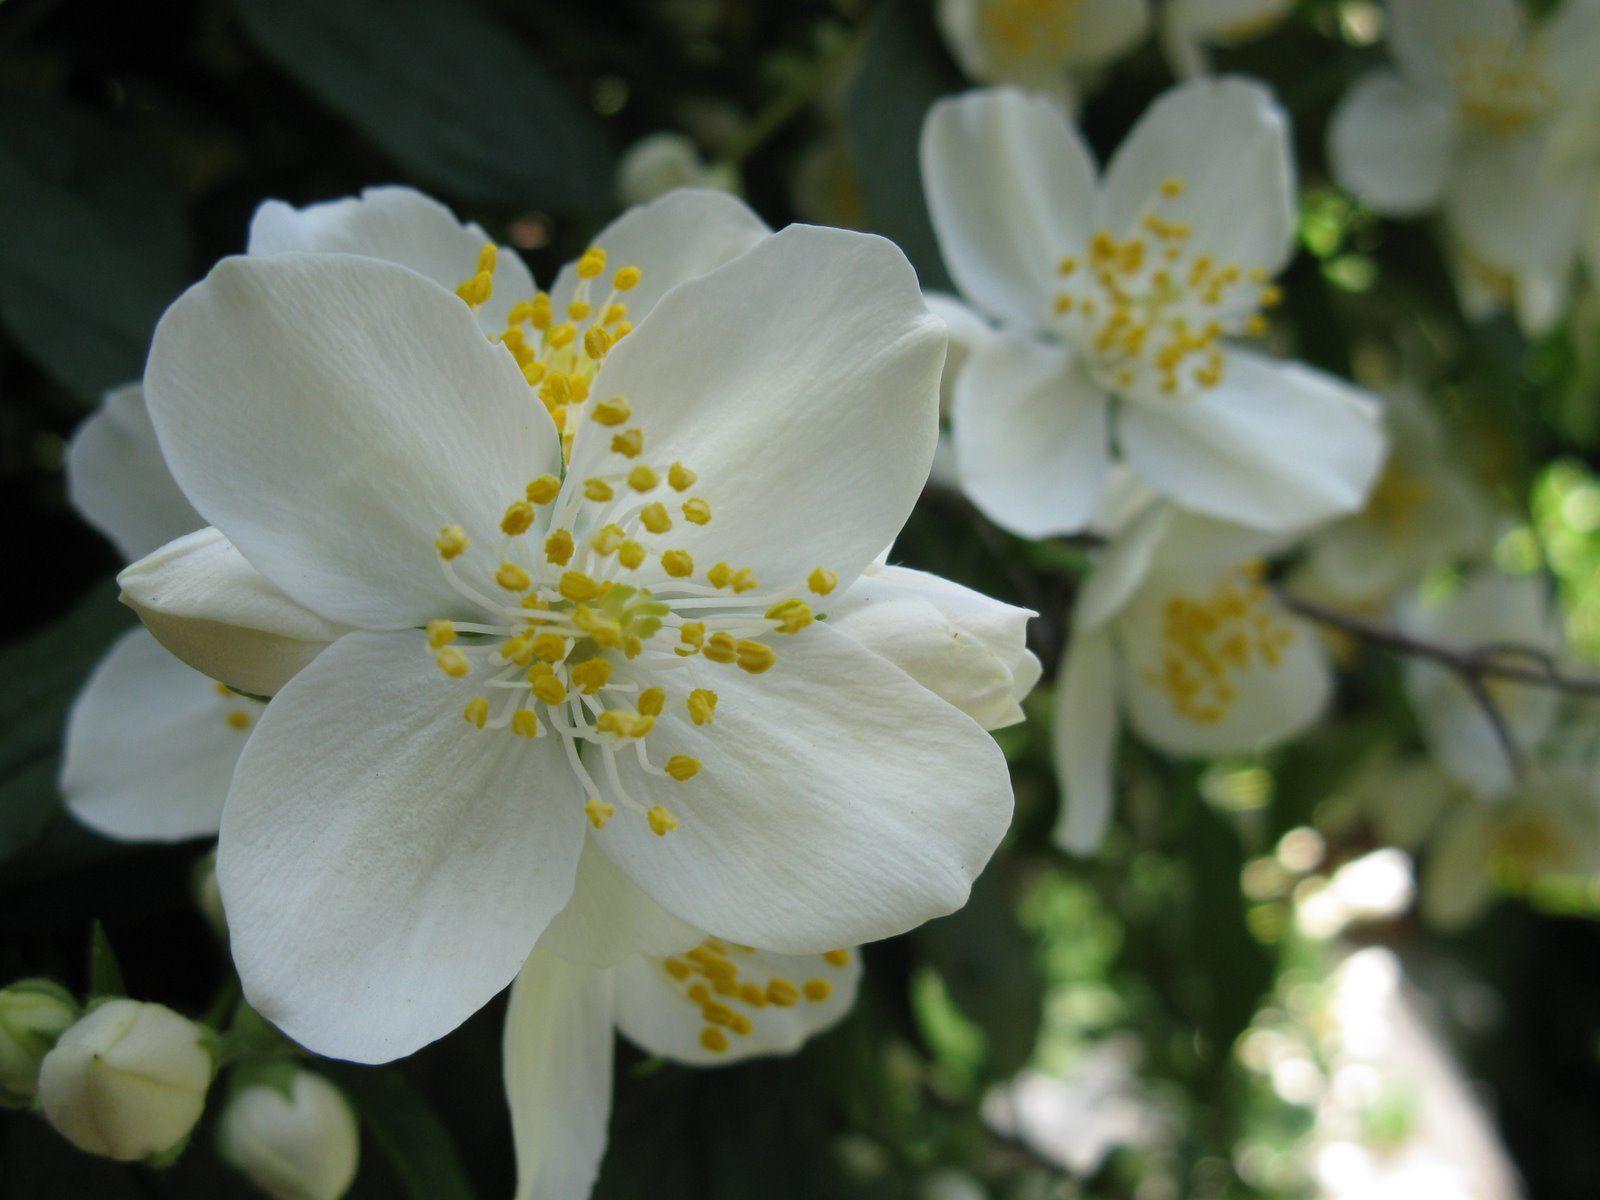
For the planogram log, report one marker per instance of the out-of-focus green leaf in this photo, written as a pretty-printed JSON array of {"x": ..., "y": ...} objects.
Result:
[
  {"x": 43, "y": 673},
  {"x": 406, "y": 1129},
  {"x": 448, "y": 91},
  {"x": 95, "y": 243},
  {"x": 105, "y": 972},
  {"x": 903, "y": 70}
]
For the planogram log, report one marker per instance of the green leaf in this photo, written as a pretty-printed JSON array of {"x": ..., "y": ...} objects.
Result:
[
  {"x": 903, "y": 71},
  {"x": 105, "y": 972},
  {"x": 449, "y": 92},
  {"x": 43, "y": 674},
  {"x": 96, "y": 244},
  {"x": 406, "y": 1129}
]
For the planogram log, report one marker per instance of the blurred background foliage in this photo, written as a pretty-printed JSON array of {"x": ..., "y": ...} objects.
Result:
[{"x": 135, "y": 141}]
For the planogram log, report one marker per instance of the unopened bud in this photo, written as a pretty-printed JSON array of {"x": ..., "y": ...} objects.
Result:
[
  {"x": 33, "y": 1014},
  {"x": 294, "y": 1135},
  {"x": 128, "y": 1081}
]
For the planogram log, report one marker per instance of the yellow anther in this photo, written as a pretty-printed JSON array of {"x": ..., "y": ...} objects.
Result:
[
  {"x": 627, "y": 279},
  {"x": 560, "y": 336},
  {"x": 596, "y": 341},
  {"x": 540, "y": 311},
  {"x": 643, "y": 478},
  {"x": 575, "y": 585},
  {"x": 613, "y": 411},
  {"x": 680, "y": 477},
  {"x": 477, "y": 711},
  {"x": 518, "y": 518},
  {"x": 223, "y": 689},
  {"x": 1067, "y": 265},
  {"x": 719, "y": 575},
  {"x": 238, "y": 719},
  {"x": 597, "y": 489},
  {"x": 817, "y": 990},
  {"x": 452, "y": 662},
  {"x": 721, "y": 648},
  {"x": 488, "y": 257},
  {"x": 632, "y": 646},
  {"x": 717, "y": 1013},
  {"x": 677, "y": 563},
  {"x": 702, "y": 705},
  {"x": 782, "y": 992},
  {"x": 628, "y": 443},
  {"x": 699, "y": 993},
  {"x": 1172, "y": 187},
  {"x": 592, "y": 264},
  {"x": 677, "y": 968},
  {"x": 1255, "y": 325},
  {"x": 655, "y": 517},
  {"x": 693, "y": 633},
  {"x": 697, "y": 511},
  {"x": 652, "y": 701},
  {"x": 524, "y": 723},
  {"x": 822, "y": 581},
  {"x": 837, "y": 958},
  {"x": 662, "y": 823},
  {"x": 521, "y": 311},
  {"x": 1271, "y": 296},
  {"x": 549, "y": 647},
  {"x": 513, "y": 578},
  {"x": 440, "y": 633},
  {"x": 558, "y": 547},
  {"x": 753, "y": 994},
  {"x": 591, "y": 675},
  {"x": 543, "y": 489},
  {"x": 792, "y": 615},
  {"x": 1063, "y": 304},
  {"x": 608, "y": 540},
  {"x": 713, "y": 1039},
  {"x": 743, "y": 581},
  {"x": 681, "y": 767},
  {"x": 613, "y": 314},
  {"x": 630, "y": 554},
  {"x": 602, "y": 629},
  {"x": 546, "y": 686},
  {"x": 579, "y": 309},
  {"x": 599, "y": 812},
  {"x": 755, "y": 657},
  {"x": 742, "y": 1025},
  {"x": 452, "y": 541},
  {"x": 518, "y": 650}
]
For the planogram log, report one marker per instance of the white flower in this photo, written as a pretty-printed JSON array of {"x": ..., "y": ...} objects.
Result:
[
  {"x": 1190, "y": 27},
  {"x": 1424, "y": 512},
  {"x": 1547, "y": 828},
  {"x": 1471, "y": 123},
  {"x": 1175, "y": 630},
  {"x": 754, "y": 438},
  {"x": 711, "y": 1004},
  {"x": 128, "y": 1081},
  {"x": 295, "y": 1138},
  {"x": 1053, "y": 47},
  {"x": 1118, "y": 302},
  {"x": 150, "y": 743},
  {"x": 655, "y": 165},
  {"x": 33, "y": 1014},
  {"x": 1490, "y": 609}
]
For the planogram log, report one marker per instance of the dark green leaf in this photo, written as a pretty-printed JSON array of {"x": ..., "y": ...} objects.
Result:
[
  {"x": 406, "y": 1129},
  {"x": 105, "y": 972},
  {"x": 903, "y": 70},
  {"x": 449, "y": 92},
  {"x": 95, "y": 245}
]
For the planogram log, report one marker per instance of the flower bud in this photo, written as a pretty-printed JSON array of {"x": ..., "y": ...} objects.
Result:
[
  {"x": 128, "y": 1081},
  {"x": 294, "y": 1138},
  {"x": 655, "y": 165},
  {"x": 33, "y": 1014}
]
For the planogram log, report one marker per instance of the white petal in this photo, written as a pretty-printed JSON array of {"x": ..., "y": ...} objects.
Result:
[
  {"x": 609, "y": 918},
  {"x": 968, "y": 332},
  {"x": 959, "y": 644},
  {"x": 681, "y": 236},
  {"x": 220, "y": 615},
  {"x": 1010, "y": 187},
  {"x": 1123, "y": 566},
  {"x": 558, "y": 1050},
  {"x": 149, "y": 747},
  {"x": 1228, "y": 141},
  {"x": 386, "y": 867},
  {"x": 1425, "y": 35},
  {"x": 751, "y": 377},
  {"x": 398, "y": 225},
  {"x": 329, "y": 413},
  {"x": 1276, "y": 446},
  {"x": 1513, "y": 209},
  {"x": 1390, "y": 143},
  {"x": 656, "y": 1013},
  {"x": 838, "y": 802},
  {"x": 1274, "y": 702},
  {"x": 1456, "y": 887},
  {"x": 1084, "y": 741},
  {"x": 118, "y": 480},
  {"x": 1107, "y": 29},
  {"x": 1032, "y": 444}
]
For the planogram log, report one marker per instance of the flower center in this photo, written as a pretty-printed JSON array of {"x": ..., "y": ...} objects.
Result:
[
  {"x": 1395, "y": 500},
  {"x": 240, "y": 715},
  {"x": 1525, "y": 844},
  {"x": 730, "y": 998},
  {"x": 1032, "y": 27},
  {"x": 1499, "y": 81},
  {"x": 1207, "y": 642},
  {"x": 566, "y": 646},
  {"x": 1149, "y": 311}
]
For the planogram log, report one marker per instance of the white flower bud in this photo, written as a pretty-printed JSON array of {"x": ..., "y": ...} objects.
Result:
[
  {"x": 128, "y": 1081},
  {"x": 33, "y": 1014},
  {"x": 654, "y": 165},
  {"x": 298, "y": 1141}
]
